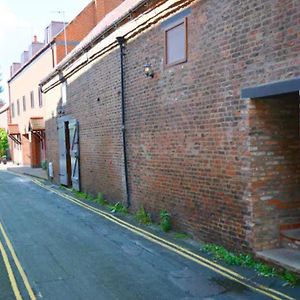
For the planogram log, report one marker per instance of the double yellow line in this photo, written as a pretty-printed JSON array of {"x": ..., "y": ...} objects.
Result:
[
  {"x": 9, "y": 269},
  {"x": 273, "y": 294}
]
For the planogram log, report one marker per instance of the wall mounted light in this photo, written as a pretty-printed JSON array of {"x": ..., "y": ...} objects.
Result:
[{"x": 148, "y": 71}]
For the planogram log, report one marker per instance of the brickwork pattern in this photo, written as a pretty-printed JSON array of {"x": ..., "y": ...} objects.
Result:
[
  {"x": 275, "y": 148},
  {"x": 189, "y": 142}
]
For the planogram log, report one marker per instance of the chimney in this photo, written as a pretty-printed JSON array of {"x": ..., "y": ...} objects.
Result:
[
  {"x": 14, "y": 68},
  {"x": 35, "y": 47},
  {"x": 24, "y": 57}
]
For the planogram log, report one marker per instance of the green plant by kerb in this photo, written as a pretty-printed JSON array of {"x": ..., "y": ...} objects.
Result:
[
  {"x": 100, "y": 200},
  {"x": 246, "y": 260},
  {"x": 165, "y": 220},
  {"x": 182, "y": 235},
  {"x": 142, "y": 216},
  {"x": 118, "y": 207}
]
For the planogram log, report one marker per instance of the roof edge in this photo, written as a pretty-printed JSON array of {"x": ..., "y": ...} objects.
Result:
[{"x": 74, "y": 56}]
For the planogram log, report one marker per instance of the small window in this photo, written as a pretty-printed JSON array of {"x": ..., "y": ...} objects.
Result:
[
  {"x": 176, "y": 43},
  {"x": 40, "y": 97},
  {"x": 32, "y": 99},
  {"x": 13, "y": 110},
  {"x": 18, "y": 107},
  {"x": 24, "y": 103},
  {"x": 64, "y": 92}
]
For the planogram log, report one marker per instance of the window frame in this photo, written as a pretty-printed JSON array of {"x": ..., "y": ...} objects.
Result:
[
  {"x": 166, "y": 30},
  {"x": 13, "y": 113},
  {"x": 24, "y": 103},
  {"x": 18, "y": 107},
  {"x": 40, "y": 98},
  {"x": 32, "y": 99}
]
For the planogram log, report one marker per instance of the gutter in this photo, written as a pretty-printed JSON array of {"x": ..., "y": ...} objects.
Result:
[
  {"x": 121, "y": 42},
  {"x": 171, "y": 9},
  {"x": 30, "y": 61},
  {"x": 94, "y": 41}
]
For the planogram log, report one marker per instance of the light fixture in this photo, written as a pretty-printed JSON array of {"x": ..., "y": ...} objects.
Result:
[{"x": 148, "y": 71}]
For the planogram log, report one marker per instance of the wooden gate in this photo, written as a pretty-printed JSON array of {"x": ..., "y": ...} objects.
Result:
[
  {"x": 74, "y": 153},
  {"x": 63, "y": 176}
]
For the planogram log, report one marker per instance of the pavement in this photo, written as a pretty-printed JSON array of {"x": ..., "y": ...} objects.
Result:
[
  {"x": 66, "y": 250},
  {"x": 25, "y": 170}
]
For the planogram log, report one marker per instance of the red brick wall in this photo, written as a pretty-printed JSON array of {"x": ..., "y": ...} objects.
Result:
[
  {"x": 188, "y": 129},
  {"x": 275, "y": 148},
  {"x": 103, "y": 7},
  {"x": 76, "y": 30},
  {"x": 99, "y": 128},
  {"x": 79, "y": 27}
]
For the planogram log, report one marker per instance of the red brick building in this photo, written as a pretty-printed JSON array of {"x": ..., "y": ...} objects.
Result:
[{"x": 222, "y": 158}]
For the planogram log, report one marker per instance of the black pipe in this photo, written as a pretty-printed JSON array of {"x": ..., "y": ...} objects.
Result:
[{"x": 121, "y": 42}]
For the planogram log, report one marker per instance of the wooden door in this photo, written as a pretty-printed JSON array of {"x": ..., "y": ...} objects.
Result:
[
  {"x": 74, "y": 153},
  {"x": 63, "y": 176}
]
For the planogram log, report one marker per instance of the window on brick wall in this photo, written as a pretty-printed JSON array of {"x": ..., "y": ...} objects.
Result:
[
  {"x": 18, "y": 107},
  {"x": 32, "y": 99},
  {"x": 40, "y": 97},
  {"x": 176, "y": 43},
  {"x": 24, "y": 103},
  {"x": 13, "y": 110}
]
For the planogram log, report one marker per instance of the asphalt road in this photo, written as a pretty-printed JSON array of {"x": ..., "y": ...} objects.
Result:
[{"x": 71, "y": 253}]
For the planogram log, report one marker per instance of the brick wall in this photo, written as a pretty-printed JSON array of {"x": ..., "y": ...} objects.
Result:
[
  {"x": 82, "y": 24},
  {"x": 99, "y": 127},
  {"x": 76, "y": 30},
  {"x": 188, "y": 129},
  {"x": 103, "y": 7},
  {"x": 275, "y": 148}
]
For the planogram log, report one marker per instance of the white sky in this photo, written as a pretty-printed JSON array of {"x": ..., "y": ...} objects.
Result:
[{"x": 20, "y": 20}]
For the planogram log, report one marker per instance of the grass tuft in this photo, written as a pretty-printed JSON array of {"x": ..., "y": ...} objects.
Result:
[
  {"x": 118, "y": 208},
  {"x": 246, "y": 260},
  {"x": 142, "y": 216},
  {"x": 165, "y": 220}
]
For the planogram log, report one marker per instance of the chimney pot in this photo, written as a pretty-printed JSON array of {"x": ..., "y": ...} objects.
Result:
[{"x": 35, "y": 39}]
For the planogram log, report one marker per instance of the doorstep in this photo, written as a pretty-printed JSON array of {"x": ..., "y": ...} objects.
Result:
[{"x": 283, "y": 257}]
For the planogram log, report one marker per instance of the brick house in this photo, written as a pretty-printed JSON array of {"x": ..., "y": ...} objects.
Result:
[
  {"x": 27, "y": 125},
  {"x": 208, "y": 128}
]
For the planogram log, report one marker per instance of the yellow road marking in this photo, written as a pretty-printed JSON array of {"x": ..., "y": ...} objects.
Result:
[
  {"x": 175, "y": 248},
  {"x": 10, "y": 272},
  {"x": 18, "y": 265}
]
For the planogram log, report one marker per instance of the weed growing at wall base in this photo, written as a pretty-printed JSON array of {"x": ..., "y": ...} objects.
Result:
[
  {"x": 142, "y": 216},
  {"x": 118, "y": 208},
  {"x": 165, "y": 220},
  {"x": 100, "y": 200},
  {"x": 246, "y": 260}
]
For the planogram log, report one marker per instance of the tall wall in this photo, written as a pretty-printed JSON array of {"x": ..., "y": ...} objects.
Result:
[{"x": 188, "y": 129}]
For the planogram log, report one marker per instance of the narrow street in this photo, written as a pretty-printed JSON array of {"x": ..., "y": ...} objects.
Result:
[{"x": 69, "y": 252}]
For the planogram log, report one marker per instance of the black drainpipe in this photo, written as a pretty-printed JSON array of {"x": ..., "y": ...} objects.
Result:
[{"x": 121, "y": 42}]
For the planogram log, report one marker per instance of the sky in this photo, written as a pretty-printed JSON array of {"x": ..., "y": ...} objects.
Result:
[{"x": 21, "y": 20}]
